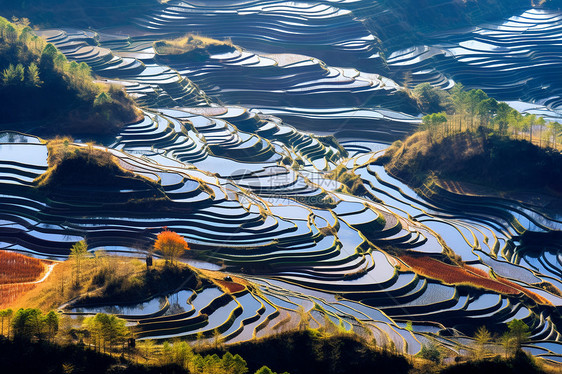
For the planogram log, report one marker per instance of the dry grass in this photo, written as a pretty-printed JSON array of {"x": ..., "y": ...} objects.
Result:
[
  {"x": 236, "y": 285},
  {"x": 17, "y": 268},
  {"x": 63, "y": 149},
  {"x": 187, "y": 43},
  {"x": 466, "y": 276},
  {"x": 351, "y": 182},
  {"x": 17, "y": 272},
  {"x": 59, "y": 287},
  {"x": 9, "y": 293}
]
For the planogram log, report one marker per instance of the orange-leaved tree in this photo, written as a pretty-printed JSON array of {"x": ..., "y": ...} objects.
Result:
[{"x": 171, "y": 244}]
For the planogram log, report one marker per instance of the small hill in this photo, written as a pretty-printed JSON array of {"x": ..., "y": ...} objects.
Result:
[
  {"x": 44, "y": 94},
  {"x": 494, "y": 161},
  {"x": 310, "y": 352},
  {"x": 92, "y": 172},
  {"x": 191, "y": 47}
]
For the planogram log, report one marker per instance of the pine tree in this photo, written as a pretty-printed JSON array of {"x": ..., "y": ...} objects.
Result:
[{"x": 33, "y": 79}]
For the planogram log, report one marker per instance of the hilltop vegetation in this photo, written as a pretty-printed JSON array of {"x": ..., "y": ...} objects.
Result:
[
  {"x": 191, "y": 46},
  {"x": 73, "y": 165},
  {"x": 492, "y": 160},
  {"x": 42, "y": 93},
  {"x": 298, "y": 352},
  {"x": 479, "y": 140}
]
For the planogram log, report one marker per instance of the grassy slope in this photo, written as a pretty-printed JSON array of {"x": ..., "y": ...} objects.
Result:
[
  {"x": 190, "y": 43},
  {"x": 497, "y": 162},
  {"x": 86, "y": 166},
  {"x": 64, "y": 100},
  {"x": 88, "y": 175},
  {"x": 106, "y": 279}
]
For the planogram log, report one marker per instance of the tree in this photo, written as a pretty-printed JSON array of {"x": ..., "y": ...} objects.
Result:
[
  {"x": 540, "y": 123},
  {"x": 432, "y": 123},
  {"x": 482, "y": 337},
  {"x": 459, "y": 101},
  {"x": 33, "y": 79},
  {"x": 474, "y": 97},
  {"x": 409, "y": 326},
  {"x": 171, "y": 244},
  {"x": 530, "y": 120},
  {"x": 506, "y": 341},
  {"x": 10, "y": 33},
  {"x": 430, "y": 99},
  {"x": 6, "y": 314},
  {"x": 26, "y": 34},
  {"x": 47, "y": 63},
  {"x": 13, "y": 75},
  {"x": 554, "y": 131},
  {"x": 106, "y": 330},
  {"x": 519, "y": 331},
  {"x": 516, "y": 122},
  {"x": 51, "y": 324},
  {"x": 486, "y": 109},
  {"x": 77, "y": 253},
  {"x": 102, "y": 98},
  {"x": 304, "y": 316},
  {"x": 27, "y": 323},
  {"x": 233, "y": 364},
  {"x": 503, "y": 115},
  {"x": 181, "y": 354},
  {"x": 431, "y": 352},
  {"x": 264, "y": 370}
]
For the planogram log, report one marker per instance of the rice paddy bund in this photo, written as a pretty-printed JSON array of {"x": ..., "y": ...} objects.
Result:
[{"x": 260, "y": 150}]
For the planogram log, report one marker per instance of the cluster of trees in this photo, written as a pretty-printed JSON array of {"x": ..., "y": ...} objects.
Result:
[
  {"x": 20, "y": 47},
  {"x": 29, "y": 323},
  {"x": 459, "y": 110},
  {"x": 39, "y": 83},
  {"x": 512, "y": 340},
  {"x": 106, "y": 331},
  {"x": 18, "y": 75},
  {"x": 181, "y": 354}
]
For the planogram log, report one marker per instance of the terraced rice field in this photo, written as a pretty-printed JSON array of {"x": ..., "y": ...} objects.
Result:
[{"x": 251, "y": 191}]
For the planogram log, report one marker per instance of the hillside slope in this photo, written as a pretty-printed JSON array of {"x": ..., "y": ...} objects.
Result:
[{"x": 44, "y": 94}]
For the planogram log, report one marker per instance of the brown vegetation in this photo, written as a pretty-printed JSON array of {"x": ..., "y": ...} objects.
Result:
[
  {"x": 234, "y": 285},
  {"x": 105, "y": 279},
  {"x": 73, "y": 165},
  {"x": 9, "y": 293},
  {"x": 351, "y": 182},
  {"x": 465, "y": 275},
  {"x": 17, "y": 272},
  {"x": 191, "y": 45},
  {"x": 17, "y": 268}
]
